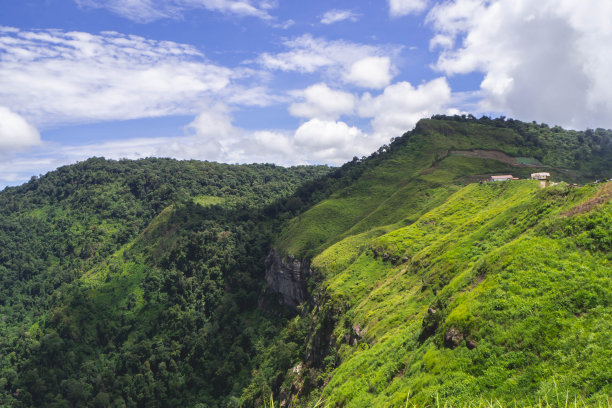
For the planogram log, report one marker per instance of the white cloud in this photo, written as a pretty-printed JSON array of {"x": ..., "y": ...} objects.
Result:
[
  {"x": 214, "y": 137},
  {"x": 52, "y": 77},
  {"x": 325, "y": 134},
  {"x": 330, "y": 141},
  {"x": 322, "y": 102},
  {"x": 335, "y": 58},
  {"x": 548, "y": 61},
  {"x": 145, "y": 11},
  {"x": 15, "y": 131},
  {"x": 371, "y": 72},
  {"x": 275, "y": 143},
  {"x": 401, "y": 105},
  {"x": 398, "y": 8},
  {"x": 335, "y": 16},
  {"x": 442, "y": 41},
  {"x": 215, "y": 122}
]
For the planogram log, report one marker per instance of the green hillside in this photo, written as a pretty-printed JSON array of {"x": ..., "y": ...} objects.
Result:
[
  {"x": 112, "y": 273},
  {"x": 144, "y": 283},
  {"x": 504, "y": 292},
  {"x": 516, "y": 277},
  {"x": 422, "y": 168}
]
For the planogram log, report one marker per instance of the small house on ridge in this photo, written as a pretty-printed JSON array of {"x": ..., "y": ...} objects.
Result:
[
  {"x": 540, "y": 176},
  {"x": 505, "y": 177}
]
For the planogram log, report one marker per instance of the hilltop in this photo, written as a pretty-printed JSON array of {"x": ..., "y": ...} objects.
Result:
[
  {"x": 425, "y": 283},
  {"x": 395, "y": 278}
]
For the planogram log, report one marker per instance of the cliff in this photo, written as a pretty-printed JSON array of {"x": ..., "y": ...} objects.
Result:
[{"x": 287, "y": 277}]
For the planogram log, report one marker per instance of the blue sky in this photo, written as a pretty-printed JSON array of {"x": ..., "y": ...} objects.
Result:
[{"x": 289, "y": 82}]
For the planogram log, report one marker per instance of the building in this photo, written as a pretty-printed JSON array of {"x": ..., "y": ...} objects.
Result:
[
  {"x": 505, "y": 177},
  {"x": 540, "y": 176}
]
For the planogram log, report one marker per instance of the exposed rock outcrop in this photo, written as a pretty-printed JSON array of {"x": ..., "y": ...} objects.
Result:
[
  {"x": 288, "y": 278},
  {"x": 453, "y": 337}
]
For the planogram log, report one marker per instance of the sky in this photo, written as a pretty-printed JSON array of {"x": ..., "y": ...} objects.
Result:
[{"x": 284, "y": 81}]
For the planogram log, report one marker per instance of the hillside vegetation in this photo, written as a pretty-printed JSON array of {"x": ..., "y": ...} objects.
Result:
[
  {"x": 504, "y": 292},
  {"x": 130, "y": 283},
  {"x": 431, "y": 286},
  {"x": 422, "y": 168},
  {"x": 141, "y": 283}
]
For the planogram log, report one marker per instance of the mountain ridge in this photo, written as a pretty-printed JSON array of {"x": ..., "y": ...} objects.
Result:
[{"x": 151, "y": 274}]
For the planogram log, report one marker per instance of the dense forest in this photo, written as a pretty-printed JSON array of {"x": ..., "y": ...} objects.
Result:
[
  {"x": 95, "y": 299},
  {"x": 141, "y": 283}
]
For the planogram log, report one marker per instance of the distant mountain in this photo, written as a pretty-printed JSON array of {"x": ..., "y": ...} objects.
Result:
[{"x": 398, "y": 278}]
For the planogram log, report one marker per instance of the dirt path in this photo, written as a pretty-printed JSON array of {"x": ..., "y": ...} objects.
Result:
[{"x": 491, "y": 154}]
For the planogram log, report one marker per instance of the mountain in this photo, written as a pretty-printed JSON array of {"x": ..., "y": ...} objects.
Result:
[
  {"x": 420, "y": 283},
  {"x": 123, "y": 282},
  {"x": 398, "y": 278}
]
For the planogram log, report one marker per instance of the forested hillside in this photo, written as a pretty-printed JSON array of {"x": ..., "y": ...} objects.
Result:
[
  {"x": 143, "y": 283},
  {"x": 109, "y": 268}
]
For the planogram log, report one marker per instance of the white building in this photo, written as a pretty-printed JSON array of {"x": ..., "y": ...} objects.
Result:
[
  {"x": 505, "y": 177},
  {"x": 540, "y": 176}
]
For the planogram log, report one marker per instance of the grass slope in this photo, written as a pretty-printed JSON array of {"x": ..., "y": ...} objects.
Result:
[
  {"x": 439, "y": 288},
  {"x": 424, "y": 167},
  {"x": 518, "y": 284}
]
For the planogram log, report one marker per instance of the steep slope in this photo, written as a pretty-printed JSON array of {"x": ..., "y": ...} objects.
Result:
[
  {"x": 426, "y": 284},
  {"x": 503, "y": 292},
  {"x": 423, "y": 167},
  {"x": 142, "y": 284}
]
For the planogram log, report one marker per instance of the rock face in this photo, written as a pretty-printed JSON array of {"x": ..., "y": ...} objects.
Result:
[
  {"x": 453, "y": 338},
  {"x": 288, "y": 278}
]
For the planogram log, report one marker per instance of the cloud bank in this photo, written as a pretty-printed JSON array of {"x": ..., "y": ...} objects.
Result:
[
  {"x": 55, "y": 77},
  {"x": 548, "y": 60},
  {"x": 362, "y": 65}
]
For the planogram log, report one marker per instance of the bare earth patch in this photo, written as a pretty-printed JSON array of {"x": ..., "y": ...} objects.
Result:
[
  {"x": 490, "y": 154},
  {"x": 603, "y": 195}
]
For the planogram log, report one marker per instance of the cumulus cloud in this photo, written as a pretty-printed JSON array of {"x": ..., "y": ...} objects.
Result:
[
  {"x": 547, "y": 61},
  {"x": 322, "y": 102},
  {"x": 330, "y": 141},
  {"x": 441, "y": 41},
  {"x": 308, "y": 54},
  {"x": 213, "y": 136},
  {"x": 146, "y": 11},
  {"x": 15, "y": 131},
  {"x": 399, "y": 8},
  {"x": 335, "y": 16},
  {"x": 401, "y": 105},
  {"x": 371, "y": 72},
  {"x": 51, "y": 77},
  {"x": 276, "y": 143}
]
